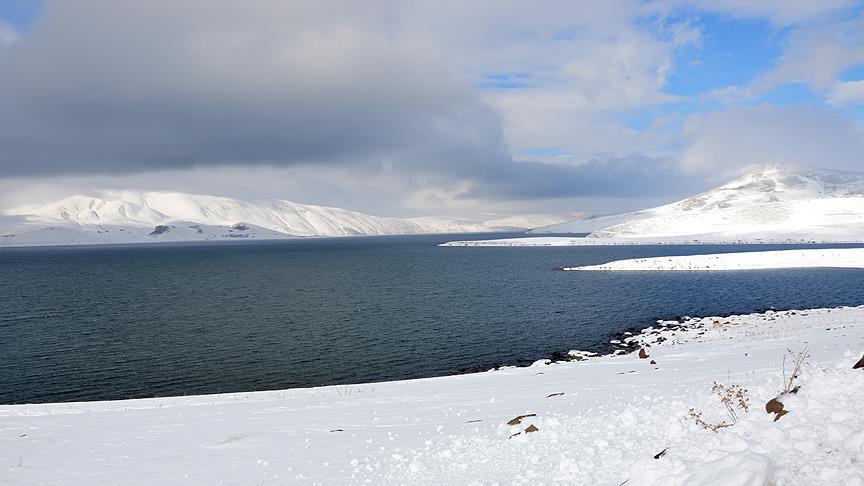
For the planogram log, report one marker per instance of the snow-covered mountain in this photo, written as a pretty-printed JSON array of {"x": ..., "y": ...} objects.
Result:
[
  {"x": 773, "y": 203},
  {"x": 128, "y": 216}
]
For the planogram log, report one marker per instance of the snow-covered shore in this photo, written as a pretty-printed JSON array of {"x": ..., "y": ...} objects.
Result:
[
  {"x": 756, "y": 239},
  {"x": 756, "y": 260},
  {"x": 598, "y": 421}
]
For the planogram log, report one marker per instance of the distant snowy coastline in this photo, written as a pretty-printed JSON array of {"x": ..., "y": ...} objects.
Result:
[
  {"x": 757, "y": 260},
  {"x": 535, "y": 241},
  {"x": 645, "y": 415}
]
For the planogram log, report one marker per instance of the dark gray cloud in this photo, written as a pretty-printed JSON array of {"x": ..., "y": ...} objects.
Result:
[
  {"x": 106, "y": 87},
  {"x": 374, "y": 92},
  {"x": 631, "y": 176},
  {"x": 113, "y": 87}
]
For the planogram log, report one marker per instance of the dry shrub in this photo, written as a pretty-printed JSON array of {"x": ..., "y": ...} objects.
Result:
[{"x": 733, "y": 398}]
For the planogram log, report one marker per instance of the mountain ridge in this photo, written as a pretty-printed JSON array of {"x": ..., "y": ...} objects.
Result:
[{"x": 143, "y": 216}]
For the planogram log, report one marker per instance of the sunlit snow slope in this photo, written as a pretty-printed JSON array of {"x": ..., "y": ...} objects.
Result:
[
  {"x": 773, "y": 203},
  {"x": 127, "y": 216}
]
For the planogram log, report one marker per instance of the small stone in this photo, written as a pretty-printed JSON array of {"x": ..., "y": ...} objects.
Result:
[
  {"x": 775, "y": 406},
  {"x": 642, "y": 353},
  {"x": 531, "y": 428},
  {"x": 653, "y": 362},
  {"x": 859, "y": 364}
]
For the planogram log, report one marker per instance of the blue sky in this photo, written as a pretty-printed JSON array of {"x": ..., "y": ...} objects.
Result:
[
  {"x": 20, "y": 13},
  {"x": 453, "y": 106}
]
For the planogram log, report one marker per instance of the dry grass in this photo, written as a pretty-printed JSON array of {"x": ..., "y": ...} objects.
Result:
[{"x": 733, "y": 398}]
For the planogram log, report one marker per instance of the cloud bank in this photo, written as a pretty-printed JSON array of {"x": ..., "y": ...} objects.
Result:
[{"x": 423, "y": 105}]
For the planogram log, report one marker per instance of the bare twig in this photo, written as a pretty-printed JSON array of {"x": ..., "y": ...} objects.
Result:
[{"x": 798, "y": 364}]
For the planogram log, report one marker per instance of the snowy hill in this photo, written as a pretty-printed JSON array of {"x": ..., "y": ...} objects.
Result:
[
  {"x": 773, "y": 203},
  {"x": 129, "y": 217}
]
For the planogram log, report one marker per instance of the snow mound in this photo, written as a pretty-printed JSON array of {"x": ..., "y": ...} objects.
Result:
[{"x": 756, "y": 260}]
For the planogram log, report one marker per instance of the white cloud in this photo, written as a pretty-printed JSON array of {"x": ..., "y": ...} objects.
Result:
[
  {"x": 724, "y": 142},
  {"x": 847, "y": 92},
  {"x": 575, "y": 106},
  {"x": 8, "y": 33},
  {"x": 815, "y": 55}
]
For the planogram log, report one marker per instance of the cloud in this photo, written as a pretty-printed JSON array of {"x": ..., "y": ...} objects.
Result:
[
  {"x": 387, "y": 103},
  {"x": 724, "y": 142},
  {"x": 847, "y": 92},
  {"x": 383, "y": 90},
  {"x": 8, "y": 33},
  {"x": 630, "y": 176},
  {"x": 574, "y": 109},
  {"x": 817, "y": 55},
  {"x": 168, "y": 84}
]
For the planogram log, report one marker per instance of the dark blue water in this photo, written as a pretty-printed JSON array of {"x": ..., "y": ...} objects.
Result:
[{"x": 137, "y": 321}]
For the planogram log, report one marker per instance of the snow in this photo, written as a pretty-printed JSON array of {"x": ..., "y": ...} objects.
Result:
[
  {"x": 601, "y": 420},
  {"x": 755, "y": 260},
  {"x": 771, "y": 205},
  {"x": 774, "y": 202},
  {"x": 535, "y": 241},
  {"x": 132, "y": 217}
]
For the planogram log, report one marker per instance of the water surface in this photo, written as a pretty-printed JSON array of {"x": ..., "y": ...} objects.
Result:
[{"x": 111, "y": 322}]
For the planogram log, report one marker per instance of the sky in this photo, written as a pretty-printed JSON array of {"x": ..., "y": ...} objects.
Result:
[{"x": 419, "y": 108}]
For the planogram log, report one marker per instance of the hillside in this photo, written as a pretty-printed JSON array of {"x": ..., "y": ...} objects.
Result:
[
  {"x": 773, "y": 203},
  {"x": 133, "y": 217}
]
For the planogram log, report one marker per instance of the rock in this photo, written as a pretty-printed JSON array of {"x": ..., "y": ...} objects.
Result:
[
  {"x": 518, "y": 420},
  {"x": 642, "y": 353},
  {"x": 653, "y": 362},
  {"x": 859, "y": 364},
  {"x": 158, "y": 230},
  {"x": 531, "y": 428},
  {"x": 775, "y": 406}
]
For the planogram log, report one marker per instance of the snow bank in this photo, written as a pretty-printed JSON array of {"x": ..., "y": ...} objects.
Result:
[
  {"x": 600, "y": 420},
  {"x": 756, "y": 260},
  {"x": 708, "y": 239}
]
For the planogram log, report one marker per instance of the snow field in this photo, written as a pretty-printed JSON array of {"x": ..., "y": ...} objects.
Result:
[{"x": 757, "y": 260}]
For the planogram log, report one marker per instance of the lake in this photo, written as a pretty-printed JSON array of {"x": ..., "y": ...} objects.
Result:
[{"x": 113, "y": 322}]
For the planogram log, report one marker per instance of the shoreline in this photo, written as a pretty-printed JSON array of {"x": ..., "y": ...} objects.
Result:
[
  {"x": 613, "y": 347},
  {"x": 561, "y": 241},
  {"x": 594, "y": 420},
  {"x": 755, "y": 260}
]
